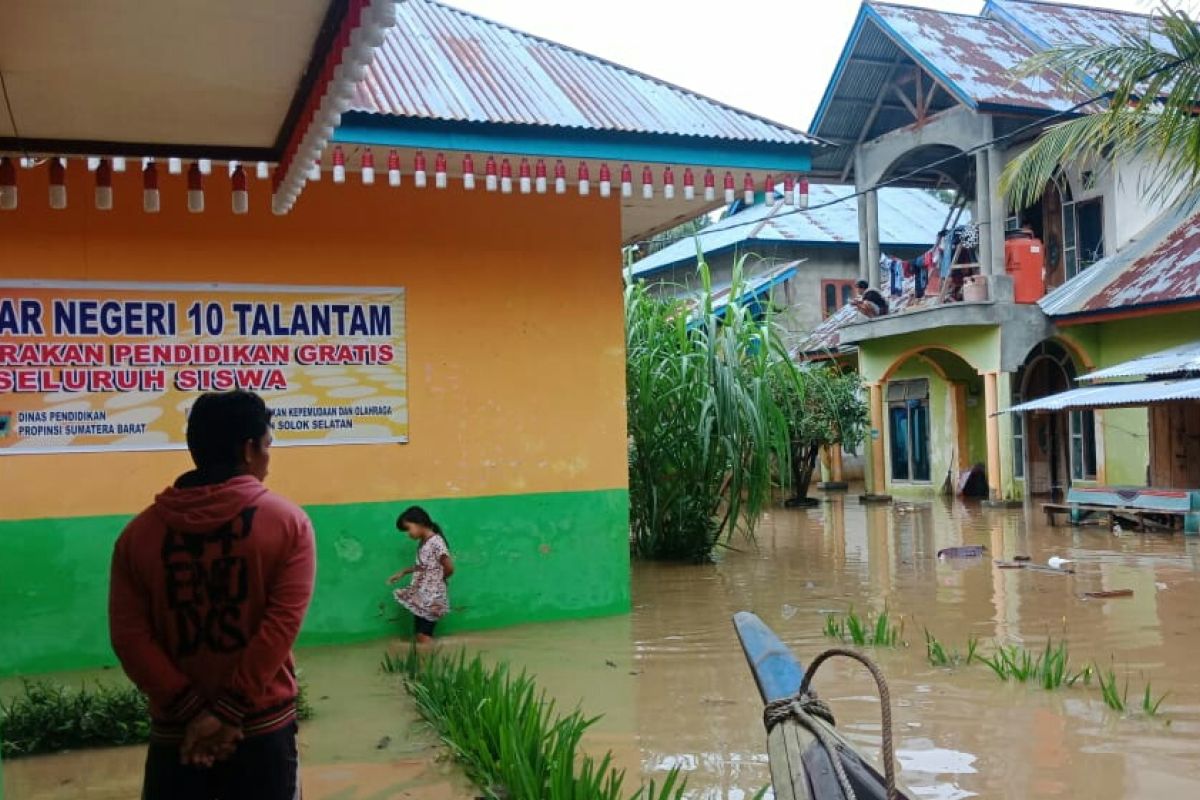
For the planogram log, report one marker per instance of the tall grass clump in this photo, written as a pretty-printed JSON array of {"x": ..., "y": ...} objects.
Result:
[
  {"x": 864, "y": 631},
  {"x": 508, "y": 736},
  {"x": 1050, "y": 668},
  {"x": 707, "y": 434},
  {"x": 47, "y": 717},
  {"x": 1116, "y": 695},
  {"x": 940, "y": 656}
]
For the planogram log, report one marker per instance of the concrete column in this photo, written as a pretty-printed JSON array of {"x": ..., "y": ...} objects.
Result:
[
  {"x": 878, "y": 483},
  {"x": 872, "y": 202},
  {"x": 992, "y": 428},
  {"x": 835, "y": 464},
  {"x": 998, "y": 212},
  {"x": 982, "y": 213},
  {"x": 864, "y": 270}
]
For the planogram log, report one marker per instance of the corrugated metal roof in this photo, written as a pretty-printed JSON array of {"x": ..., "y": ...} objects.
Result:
[
  {"x": 1172, "y": 361},
  {"x": 972, "y": 56},
  {"x": 1160, "y": 266},
  {"x": 907, "y": 218},
  {"x": 977, "y": 56},
  {"x": 752, "y": 286},
  {"x": 445, "y": 64},
  {"x": 1116, "y": 395},
  {"x": 1047, "y": 25},
  {"x": 826, "y": 338}
]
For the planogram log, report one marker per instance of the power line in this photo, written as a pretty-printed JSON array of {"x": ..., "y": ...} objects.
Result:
[
  {"x": 930, "y": 165},
  {"x": 8, "y": 104}
]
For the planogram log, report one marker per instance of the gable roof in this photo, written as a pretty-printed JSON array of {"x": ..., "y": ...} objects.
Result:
[
  {"x": 975, "y": 57},
  {"x": 1046, "y": 25},
  {"x": 969, "y": 60},
  {"x": 441, "y": 63},
  {"x": 907, "y": 218},
  {"x": 1160, "y": 268}
]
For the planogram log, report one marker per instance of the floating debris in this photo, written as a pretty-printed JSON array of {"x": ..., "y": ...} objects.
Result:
[
  {"x": 967, "y": 551},
  {"x": 1110, "y": 593}
]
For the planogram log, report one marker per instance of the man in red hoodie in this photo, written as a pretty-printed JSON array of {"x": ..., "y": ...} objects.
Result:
[{"x": 209, "y": 587}]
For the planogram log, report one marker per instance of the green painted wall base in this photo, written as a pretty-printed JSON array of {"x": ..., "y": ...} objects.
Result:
[{"x": 520, "y": 558}]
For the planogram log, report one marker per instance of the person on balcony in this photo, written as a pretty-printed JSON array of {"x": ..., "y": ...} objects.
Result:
[{"x": 870, "y": 302}]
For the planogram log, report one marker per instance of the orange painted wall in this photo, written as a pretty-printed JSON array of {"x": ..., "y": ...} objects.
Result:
[{"x": 515, "y": 346}]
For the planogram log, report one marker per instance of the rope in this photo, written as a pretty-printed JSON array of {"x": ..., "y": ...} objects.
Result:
[{"x": 805, "y": 708}]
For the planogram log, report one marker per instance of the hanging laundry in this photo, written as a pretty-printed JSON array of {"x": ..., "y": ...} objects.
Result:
[
  {"x": 920, "y": 280},
  {"x": 893, "y": 268},
  {"x": 946, "y": 257}
]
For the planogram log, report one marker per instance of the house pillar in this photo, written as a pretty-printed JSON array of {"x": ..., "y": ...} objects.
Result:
[
  {"x": 877, "y": 484},
  {"x": 982, "y": 213},
  {"x": 997, "y": 213},
  {"x": 992, "y": 428},
  {"x": 864, "y": 270},
  {"x": 872, "y": 203},
  {"x": 835, "y": 463}
]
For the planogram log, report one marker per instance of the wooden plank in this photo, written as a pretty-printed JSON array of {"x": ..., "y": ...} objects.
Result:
[
  {"x": 787, "y": 771},
  {"x": 1191, "y": 434},
  {"x": 1161, "y": 466}
]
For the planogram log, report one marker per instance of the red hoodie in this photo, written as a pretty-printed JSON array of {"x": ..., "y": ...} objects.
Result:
[{"x": 209, "y": 588}]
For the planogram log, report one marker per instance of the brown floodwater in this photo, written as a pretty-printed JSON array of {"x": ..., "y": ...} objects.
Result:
[{"x": 674, "y": 689}]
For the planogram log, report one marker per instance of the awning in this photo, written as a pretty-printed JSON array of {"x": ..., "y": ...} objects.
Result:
[
  {"x": 1116, "y": 395},
  {"x": 1172, "y": 361}
]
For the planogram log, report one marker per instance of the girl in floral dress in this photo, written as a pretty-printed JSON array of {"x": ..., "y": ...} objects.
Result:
[{"x": 426, "y": 596}]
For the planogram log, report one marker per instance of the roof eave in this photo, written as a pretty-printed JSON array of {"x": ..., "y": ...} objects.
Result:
[
  {"x": 1093, "y": 316},
  {"x": 365, "y": 128}
]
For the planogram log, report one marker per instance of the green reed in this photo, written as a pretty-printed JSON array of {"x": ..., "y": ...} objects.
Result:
[
  {"x": 1050, "y": 668},
  {"x": 940, "y": 656},
  {"x": 864, "y": 631},
  {"x": 508, "y": 735}
]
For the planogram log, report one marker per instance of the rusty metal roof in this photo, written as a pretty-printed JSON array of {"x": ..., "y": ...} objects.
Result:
[
  {"x": 971, "y": 58},
  {"x": 1160, "y": 267},
  {"x": 441, "y": 63},
  {"x": 1046, "y": 25},
  {"x": 975, "y": 56}
]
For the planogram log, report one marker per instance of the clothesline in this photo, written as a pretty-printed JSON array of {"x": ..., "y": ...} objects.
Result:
[{"x": 893, "y": 271}]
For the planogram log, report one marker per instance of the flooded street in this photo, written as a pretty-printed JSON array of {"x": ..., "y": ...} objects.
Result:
[{"x": 674, "y": 689}]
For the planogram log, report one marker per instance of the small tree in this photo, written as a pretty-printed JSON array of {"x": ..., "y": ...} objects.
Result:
[{"x": 824, "y": 408}]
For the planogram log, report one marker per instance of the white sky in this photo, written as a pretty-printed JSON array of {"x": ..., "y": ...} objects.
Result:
[{"x": 771, "y": 57}]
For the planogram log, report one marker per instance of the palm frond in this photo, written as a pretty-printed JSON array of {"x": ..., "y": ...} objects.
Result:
[{"x": 1149, "y": 108}]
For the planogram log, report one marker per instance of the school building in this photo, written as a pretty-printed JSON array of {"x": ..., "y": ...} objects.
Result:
[{"x": 402, "y": 223}]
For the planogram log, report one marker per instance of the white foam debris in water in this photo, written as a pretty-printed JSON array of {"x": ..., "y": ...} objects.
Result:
[
  {"x": 936, "y": 761},
  {"x": 788, "y": 611}
]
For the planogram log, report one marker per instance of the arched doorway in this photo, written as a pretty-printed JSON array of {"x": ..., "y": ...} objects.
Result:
[
  {"x": 932, "y": 419},
  {"x": 1051, "y": 448}
]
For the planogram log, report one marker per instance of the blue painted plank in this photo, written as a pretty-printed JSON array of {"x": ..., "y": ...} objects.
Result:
[
  {"x": 776, "y": 671},
  {"x": 549, "y": 142}
]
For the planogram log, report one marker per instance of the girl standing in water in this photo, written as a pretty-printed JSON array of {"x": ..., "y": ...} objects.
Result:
[{"x": 426, "y": 596}]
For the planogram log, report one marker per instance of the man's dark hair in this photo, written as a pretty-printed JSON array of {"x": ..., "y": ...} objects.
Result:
[
  {"x": 220, "y": 424},
  {"x": 861, "y": 284}
]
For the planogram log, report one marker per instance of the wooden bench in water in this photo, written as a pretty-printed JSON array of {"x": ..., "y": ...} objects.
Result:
[
  {"x": 1149, "y": 509},
  {"x": 800, "y": 767}
]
